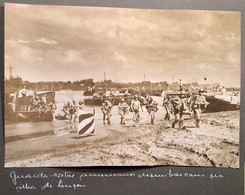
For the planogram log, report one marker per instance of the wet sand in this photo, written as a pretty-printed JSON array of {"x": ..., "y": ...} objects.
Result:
[{"x": 214, "y": 144}]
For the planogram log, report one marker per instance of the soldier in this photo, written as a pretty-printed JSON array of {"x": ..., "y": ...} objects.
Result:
[
  {"x": 65, "y": 110},
  {"x": 80, "y": 105},
  {"x": 223, "y": 91},
  {"x": 41, "y": 107},
  {"x": 135, "y": 108},
  {"x": 53, "y": 108},
  {"x": 142, "y": 101},
  {"x": 24, "y": 92},
  {"x": 167, "y": 105},
  {"x": 122, "y": 109},
  {"x": 44, "y": 99},
  {"x": 106, "y": 110},
  {"x": 75, "y": 110},
  {"x": 198, "y": 105},
  {"x": 202, "y": 101},
  {"x": 151, "y": 107},
  {"x": 178, "y": 112},
  {"x": 34, "y": 100},
  {"x": 195, "y": 106}
]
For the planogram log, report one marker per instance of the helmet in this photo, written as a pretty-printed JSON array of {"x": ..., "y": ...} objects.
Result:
[{"x": 148, "y": 98}]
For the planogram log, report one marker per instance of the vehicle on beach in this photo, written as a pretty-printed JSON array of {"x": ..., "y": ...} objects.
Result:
[
  {"x": 22, "y": 108},
  {"x": 98, "y": 100}
]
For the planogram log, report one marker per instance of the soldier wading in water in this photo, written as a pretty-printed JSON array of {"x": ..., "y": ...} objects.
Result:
[
  {"x": 122, "y": 110},
  {"x": 106, "y": 110}
]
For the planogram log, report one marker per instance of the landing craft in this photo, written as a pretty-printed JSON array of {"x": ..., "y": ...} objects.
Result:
[
  {"x": 218, "y": 105},
  {"x": 21, "y": 109},
  {"x": 215, "y": 103},
  {"x": 97, "y": 101}
]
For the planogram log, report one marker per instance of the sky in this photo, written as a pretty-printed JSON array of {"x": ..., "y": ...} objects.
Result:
[{"x": 67, "y": 43}]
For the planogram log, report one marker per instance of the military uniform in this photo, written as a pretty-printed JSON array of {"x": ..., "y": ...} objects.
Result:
[
  {"x": 135, "y": 108},
  {"x": 106, "y": 110},
  {"x": 122, "y": 110},
  {"x": 197, "y": 111},
  {"x": 168, "y": 106},
  {"x": 178, "y": 112},
  {"x": 198, "y": 105},
  {"x": 151, "y": 107}
]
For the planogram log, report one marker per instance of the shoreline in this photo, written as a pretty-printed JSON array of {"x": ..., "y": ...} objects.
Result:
[{"x": 215, "y": 144}]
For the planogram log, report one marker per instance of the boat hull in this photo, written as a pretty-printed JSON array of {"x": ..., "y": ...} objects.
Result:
[
  {"x": 33, "y": 116},
  {"x": 114, "y": 100},
  {"x": 217, "y": 105}
]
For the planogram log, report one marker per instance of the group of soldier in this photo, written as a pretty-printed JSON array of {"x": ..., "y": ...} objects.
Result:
[
  {"x": 192, "y": 104},
  {"x": 39, "y": 104},
  {"x": 134, "y": 106},
  {"x": 70, "y": 110},
  {"x": 177, "y": 105}
]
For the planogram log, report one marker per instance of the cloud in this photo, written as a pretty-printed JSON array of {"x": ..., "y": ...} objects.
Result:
[
  {"x": 120, "y": 58},
  {"x": 72, "y": 57},
  {"x": 46, "y": 41},
  {"x": 24, "y": 41},
  {"x": 89, "y": 40}
]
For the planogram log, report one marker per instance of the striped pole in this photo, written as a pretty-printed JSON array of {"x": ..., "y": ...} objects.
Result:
[{"x": 86, "y": 123}]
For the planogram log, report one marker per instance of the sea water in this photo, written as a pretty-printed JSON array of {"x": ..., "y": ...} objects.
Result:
[{"x": 24, "y": 130}]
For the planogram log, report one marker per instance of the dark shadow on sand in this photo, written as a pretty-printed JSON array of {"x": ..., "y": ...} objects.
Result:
[{"x": 79, "y": 137}]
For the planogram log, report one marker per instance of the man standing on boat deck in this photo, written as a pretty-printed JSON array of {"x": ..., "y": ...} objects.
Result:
[{"x": 24, "y": 92}]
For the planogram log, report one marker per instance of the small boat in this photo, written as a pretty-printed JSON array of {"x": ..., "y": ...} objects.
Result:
[
  {"x": 97, "y": 101},
  {"x": 88, "y": 93},
  {"x": 156, "y": 92},
  {"x": 60, "y": 117},
  {"x": 21, "y": 109}
]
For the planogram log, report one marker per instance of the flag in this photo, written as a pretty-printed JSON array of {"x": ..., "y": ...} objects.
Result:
[{"x": 85, "y": 122}]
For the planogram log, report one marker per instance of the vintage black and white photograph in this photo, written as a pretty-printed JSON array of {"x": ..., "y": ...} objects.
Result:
[{"x": 100, "y": 86}]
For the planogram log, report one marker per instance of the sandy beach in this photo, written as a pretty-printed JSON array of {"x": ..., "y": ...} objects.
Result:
[{"x": 214, "y": 144}]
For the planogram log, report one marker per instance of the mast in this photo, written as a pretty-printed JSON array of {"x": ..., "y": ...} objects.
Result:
[{"x": 10, "y": 70}]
